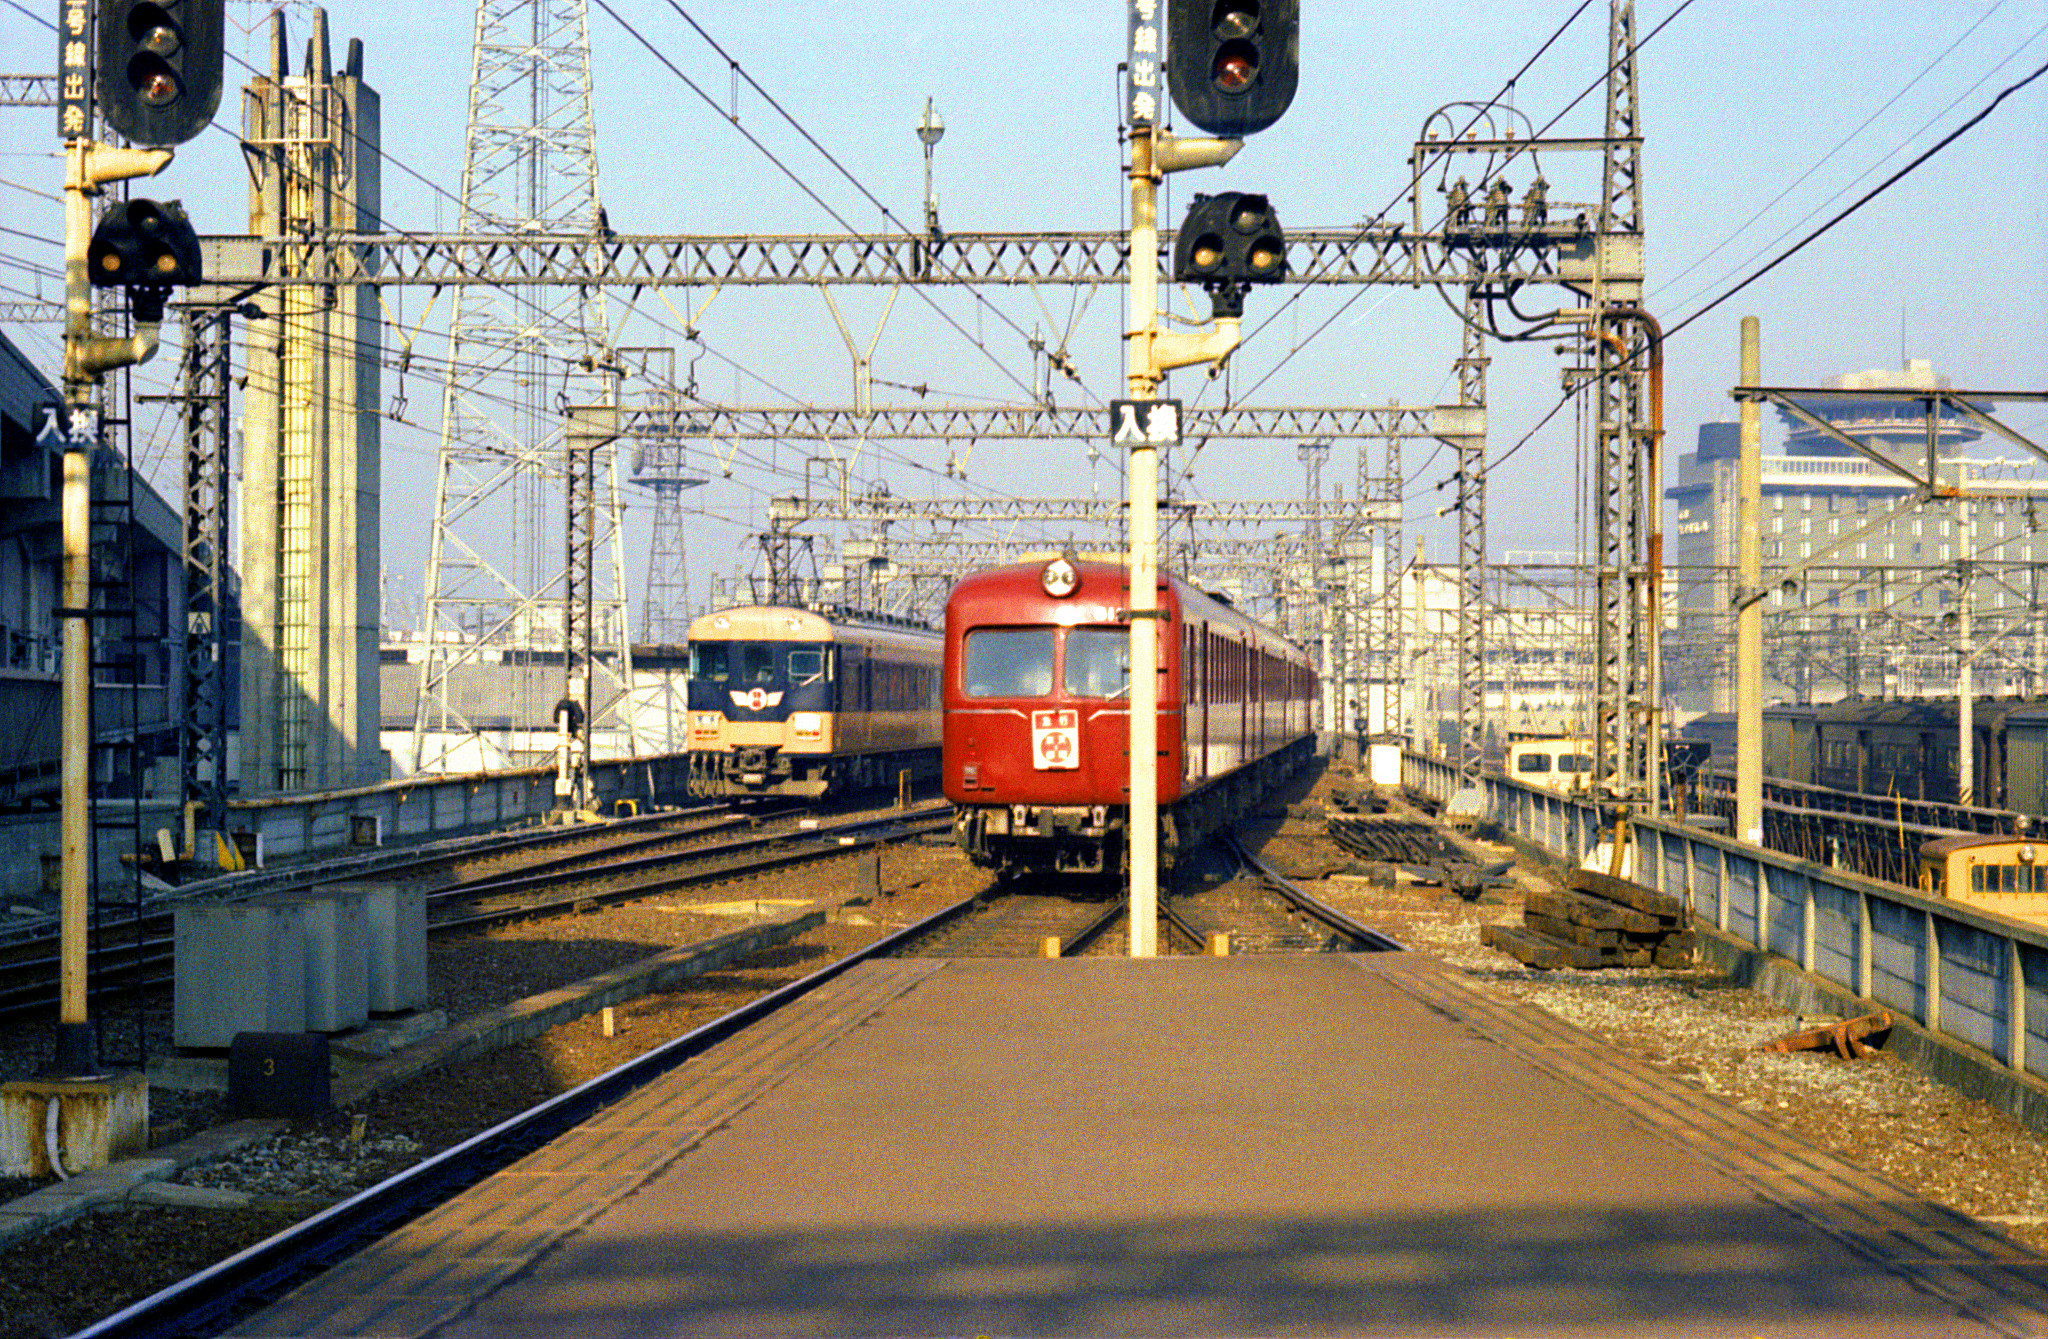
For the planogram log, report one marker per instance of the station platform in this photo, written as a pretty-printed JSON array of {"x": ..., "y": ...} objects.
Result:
[{"x": 1333, "y": 1145}]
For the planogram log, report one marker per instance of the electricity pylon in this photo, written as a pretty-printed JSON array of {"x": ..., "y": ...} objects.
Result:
[{"x": 499, "y": 568}]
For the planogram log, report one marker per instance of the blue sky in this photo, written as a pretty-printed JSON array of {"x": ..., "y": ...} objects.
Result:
[{"x": 1740, "y": 101}]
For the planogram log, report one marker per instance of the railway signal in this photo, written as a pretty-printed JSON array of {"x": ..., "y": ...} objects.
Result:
[
  {"x": 158, "y": 67},
  {"x": 148, "y": 249},
  {"x": 1228, "y": 242},
  {"x": 1232, "y": 65}
]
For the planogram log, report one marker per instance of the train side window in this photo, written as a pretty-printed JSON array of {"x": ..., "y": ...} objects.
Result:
[
  {"x": 1008, "y": 662},
  {"x": 1098, "y": 662}
]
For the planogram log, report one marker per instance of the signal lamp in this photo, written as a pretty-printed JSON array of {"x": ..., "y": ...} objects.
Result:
[
  {"x": 157, "y": 71},
  {"x": 1228, "y": 242},
  {"x": 148, "y": 249},
  {"x": 1232, "y": 65}
]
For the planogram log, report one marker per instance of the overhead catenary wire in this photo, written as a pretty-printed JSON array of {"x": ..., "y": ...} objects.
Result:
[
  {"x": 1799, "y": 246},
  {"x": 1839, "y": 145},
  {"x": 805, "y": 187}
]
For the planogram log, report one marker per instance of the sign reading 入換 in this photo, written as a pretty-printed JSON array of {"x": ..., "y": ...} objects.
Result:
[
  {"x": 1144, "y": 422},
  {"x": 1141, "y": 79}
]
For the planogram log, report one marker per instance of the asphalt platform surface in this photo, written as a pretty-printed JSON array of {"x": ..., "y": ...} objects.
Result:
[{"x": 1332, "y": 1145}]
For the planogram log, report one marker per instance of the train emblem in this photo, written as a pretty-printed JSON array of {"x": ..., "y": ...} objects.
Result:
[
  {"x": 1055, "y": 740},
  {"x": 756, "y": 699}
]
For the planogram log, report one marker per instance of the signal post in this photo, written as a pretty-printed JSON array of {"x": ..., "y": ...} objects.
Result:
[
  {"x": 154, "y": 73},
  {"x": 1231, "y": 70}
]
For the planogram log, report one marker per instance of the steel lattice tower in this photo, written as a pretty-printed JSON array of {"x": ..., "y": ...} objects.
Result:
[
  {"x": 519, "y": 357},
  {"x": 1471, "y": 449},
  {"x": 1624, "y": 499}
]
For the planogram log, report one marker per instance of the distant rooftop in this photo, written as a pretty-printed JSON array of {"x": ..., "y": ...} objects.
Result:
[
  {"x": 1883, "y": 424},
  {"x": 1917, "y": 375}
]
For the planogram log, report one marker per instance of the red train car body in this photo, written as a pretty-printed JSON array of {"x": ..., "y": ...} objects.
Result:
[{"x": 1037, "y": 716}]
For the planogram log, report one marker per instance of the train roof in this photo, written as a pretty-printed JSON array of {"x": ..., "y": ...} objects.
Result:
[
  {"x": 1875, "y": 711},
  {"x": 1101, "y": 595},
  {"x": 764, "y": 622},
  {"x": 1942, "y": 847},
  {"x": 1935, "y": 712}
]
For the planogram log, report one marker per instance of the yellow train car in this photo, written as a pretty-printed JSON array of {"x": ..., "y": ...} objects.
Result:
[
  {"x": 786, "y": 701},
  {"x": 1554, "y": 764},
  {"x": 2008, "y": 875}
]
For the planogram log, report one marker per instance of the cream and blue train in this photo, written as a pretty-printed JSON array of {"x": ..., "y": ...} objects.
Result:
[{"x": 796, "y": 702}]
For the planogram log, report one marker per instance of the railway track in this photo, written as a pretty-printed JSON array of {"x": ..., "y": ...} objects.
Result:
[
  {"x": 1420, "y": 848},
  {"x": 1017, "y": 924},
  {"x": 1262, "y": 912},
  {"x": 573, "y": 881},
  {"x": 485, "y": 902},
  {"x": 212, "y": 1300}
]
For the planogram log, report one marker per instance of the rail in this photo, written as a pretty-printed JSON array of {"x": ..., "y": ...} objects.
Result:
[
  {"x": 1967, "y": 977},
  {"x": 212, "y": 1299}
]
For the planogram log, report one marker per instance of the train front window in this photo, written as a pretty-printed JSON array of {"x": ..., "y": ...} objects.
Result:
[
  {"x": 1533, "y": 762},
  {"x": 1098, "y": 662},
  {"x": 741, "y": 664},
  {"x": 710, "y": 661},
  {"x": 1574, "y": 762},
  {"x": 1008, "y": 662}
]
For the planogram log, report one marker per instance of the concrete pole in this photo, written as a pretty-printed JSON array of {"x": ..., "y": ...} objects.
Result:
[
  {"x": 76, "y": 692},
  {"x": 1749, "y": 621},
  {"x": 1144, "y": 559},
  {"x": 74, "y": 1036}
]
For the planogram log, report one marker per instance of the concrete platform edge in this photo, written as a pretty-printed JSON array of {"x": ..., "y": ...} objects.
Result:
[{"x": 117, "y": 1183}]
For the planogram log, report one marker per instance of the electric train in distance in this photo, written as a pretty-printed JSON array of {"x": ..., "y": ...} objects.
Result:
[
  {"x": 809, "y": 703},
  {"x": 1037, "y": 715}
]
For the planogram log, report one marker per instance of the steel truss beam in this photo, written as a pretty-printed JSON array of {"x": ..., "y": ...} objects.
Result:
[
  {"x": 1380, "y": 254},
  {"x": 1105, "y": 513},
  {"x": 28, "y": 90},
  {"x": 1014, "y": 422}
]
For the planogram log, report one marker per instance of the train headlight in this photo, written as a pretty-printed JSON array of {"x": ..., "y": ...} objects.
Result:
[
  {"x": 807, "y": 724},
  {"x": 2027, "y": 854},
  {"x": 1060, "y": 578},
  {"x": 705, "y": 723}
]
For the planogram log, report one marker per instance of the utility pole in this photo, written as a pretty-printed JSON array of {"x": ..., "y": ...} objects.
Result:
[
  {"x": 1240, "y": 87},
  {"x": 1749, "y": 618}
]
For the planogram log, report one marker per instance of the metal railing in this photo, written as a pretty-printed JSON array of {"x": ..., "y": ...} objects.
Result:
[{"x": 1964, "y": 975}]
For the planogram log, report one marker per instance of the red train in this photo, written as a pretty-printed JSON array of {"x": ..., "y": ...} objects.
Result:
[{"x": 1037, "y": 723}]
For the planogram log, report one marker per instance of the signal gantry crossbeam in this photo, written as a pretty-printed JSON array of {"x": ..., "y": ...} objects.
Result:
[
  {"x": 1018, "y": 422},
  {"x": 1379, "y": 254}
]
